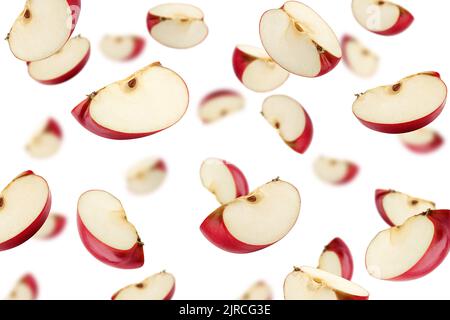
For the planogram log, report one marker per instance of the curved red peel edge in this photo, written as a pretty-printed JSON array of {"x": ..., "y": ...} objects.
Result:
[
  {"x": 379, "y": 197},
  {"x": 340, "y": 248},
  {"x": 404, "y": 21},
  {"x": 302, "y": 144},
  {"x": 31, "y": 282},
  {"x": 132, "y": 258},
  {"x": 437, "y": 142},
  {"x": 239, "y": 180}
]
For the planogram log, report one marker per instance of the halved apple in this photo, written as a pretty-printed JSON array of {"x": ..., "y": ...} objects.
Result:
[
  {"x": 223, "y": 179},
  {"x": 105, "y": 231},
  {"x": 259, "y": 291},
  {"x": 291, "y": 120},
  {"x": 25, "y": 289},
  {"x": 255, "y": 221},
  {"x": 53, "y": 227},
  {"x": 24, "y": 207},
  {"x": 337, "y": 259},
  {"x": 361, "y": 60},
  {"x": 43, "y": 28},
  {"x": 47, "y": 141},
  {"x": 160, "y": 286},
  {"x": 410, "y": 104},
  {"x": 150, "y": 100},
  {"x": 335, "y": 171},
  {"x": 256, "y": 69},
  {"x": 396, "y": 207},
  {"x": 64, "y": 64},
  {"x": 412, "y": 250},
  {"x": 382, "y": 17},
  {"x": 299, "y": 40},
  {"x": 219, "y": 104},
  {"x": 422, "y": 141},
  {"x": 146, "y": 176},
  {"x": 177, "y": 25},
  {"x": 307, "y": 283},
  {"x": 122, "y": 48}
]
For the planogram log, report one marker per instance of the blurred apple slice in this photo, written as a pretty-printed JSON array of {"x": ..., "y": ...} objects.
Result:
[
  {"x": 146, "y": 176},
  {"x": 122, "y": 48},
  {"x": 422, "y": 141},
  {"x": 337, "y": 259},
  {"x": 47, "y": 141},
  {"x": 258, "y": 292},
  {"x": 53, "y": 227},
  {"x": 25, "y": 289},
  {"x": 335, "y": 171},
  {"x": 160, "y": 286},
  {"x": 219, "y": 104},
  {"x": 362, "y": 61}
]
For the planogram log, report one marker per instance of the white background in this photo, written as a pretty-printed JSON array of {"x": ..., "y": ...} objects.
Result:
[{"x": 168, "y": 221}]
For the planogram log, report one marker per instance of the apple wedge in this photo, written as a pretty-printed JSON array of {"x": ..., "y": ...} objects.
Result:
[
  {"x": 255, "y": 221},
  {"x": 359, "y": 59},
  {"x": 337, "y": 259},
  {"x": 160, "y": 286},
  {"x": 47, "y": 141},
  {"x": 219, "y": 104},
  {"x": 150, "y": 100},
  {"x": 106, "y": 233},
  {"x": 177, "y": 25},
  {"x": 64, "y": 64},
  {"x": 422, "y": 141},
  {"x": 53, "y": 227},
  {"x": 412, "y": 250},
  {"x": 122, "y": 48},
  {"x": 223, "y": 179},
  {"x": 256, "y": 69},
  {"x": 291, "y": 120},
  {"x": 258, "y": 292},
  {"x": 24, "y": 207},
  {"x": 299, "y": 40},
  {"x": 43, "y": 28},
  {"x": 409, "y": 105},
  {"x": 307, "y": 283},
  {"x": 25, "y": 289},
  {"x": 146, "y": 176},
  {"x": 382, "y": 17},
  {"x": 396, "y": 208},
  {"x": 335, "y": 171}
]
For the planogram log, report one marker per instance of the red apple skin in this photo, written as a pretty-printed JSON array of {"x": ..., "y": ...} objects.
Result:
[
  {"x": 68, "y": 75},
  {"x": 75, "y": 6},
  {"x": 31, "y": 282},
  {"x": 33, "y": 227},
  {"x": 352, "y": 172},
  {"x": 240, "y": 181},
  {"x": 152, "y": 21},
  {"x": 437, "y": 251},
  {"x": 241, "y": 60},
  {"x": 404, "y": 22},
  {"x": 122, "y": 259},
  {"x": 345, "y": 40},
  {"x": 139, "y": 45},
  {"x": 60, "y": 224},
  {"x": 219, "y": 93},
  {"x": 340, "y": 248},
  {"x": 81, "y": 114},
  {"x": 54, "y": 128},
  {"x": 437, "y": 142},
  {"x": 214, "y": 229},
  {"x": 414, "y": 125},
  {"x": 379, "y": 197},
  {"x": 303, "y": 142}
]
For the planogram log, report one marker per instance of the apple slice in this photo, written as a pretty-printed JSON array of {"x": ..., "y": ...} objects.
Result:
[
  {"x": 160, "y": 286},
  {"x": 291, "y": 120},
  {"x": 299, "y": 40},
  {"x": 307, "y": 283},
  {"x": 219, "y": 104},
  {"x": 47, "y": 141},
  {"x": 25, "y": 289},
  {"x": 362, "y": 61},
  {"x": 64, "y": 64},
  {"x": 412, "y": 250},
  {"x": 382, "y": 17},
  {"x": 177, "y": 25},
  {"x": 256, "y": 221},
  {"x": 106, "y": 232},
  {"x": 53, "y": 227},
  {"x": 410, "y": 104},
  {"x": 122, "y": 48},
  {"x": 335, "y": 171},
  {"x": 43, "y": 28},
  {"x": 258, "y": 292},
  {"x": 337, "y": 259},
  {"x": 223, "y": 179},
  {"x": 422, "y": 141},
  {"x": 150, "y": 100},
  {"x": 146, "y": 176},
  {"x": 396, "y": 207},
  {"x": 24, "y": 207},
  {"x": 256, "y": 69}
]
